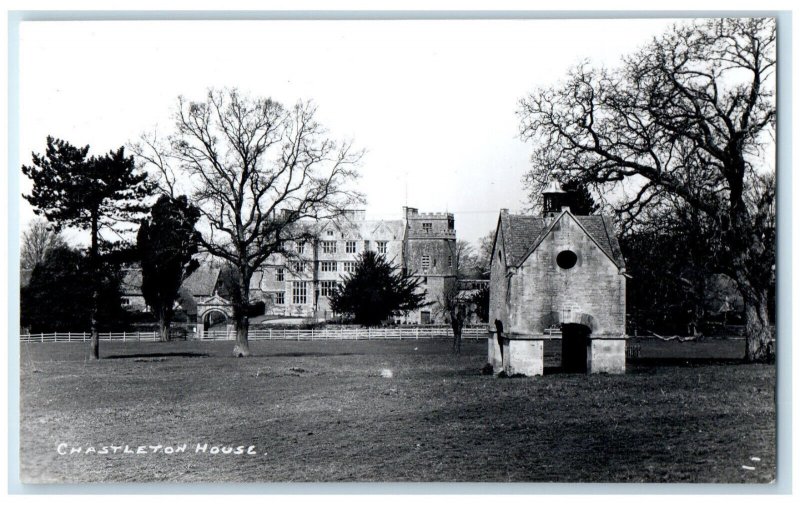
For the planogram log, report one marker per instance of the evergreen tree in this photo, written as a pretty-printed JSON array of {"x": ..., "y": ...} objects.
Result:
[
  {"x": 166, "y": 243},
  {"x": 91, "y": 194},
  {"x": 376, "y": 290},
  {"x": 580, "y": 200}
]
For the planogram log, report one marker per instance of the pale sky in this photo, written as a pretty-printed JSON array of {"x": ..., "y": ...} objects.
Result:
[{"x": 432, "y": 102}]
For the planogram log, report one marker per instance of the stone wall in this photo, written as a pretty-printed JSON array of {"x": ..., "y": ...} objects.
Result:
[
  {"x": 592, "y": 292},
  {"x": 498, "y": 287}
]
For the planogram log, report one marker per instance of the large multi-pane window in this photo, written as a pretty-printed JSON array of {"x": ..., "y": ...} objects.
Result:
[
  {"x": 350, "y": 246},
  {"x": 427, "y": 227},
  {"x": 299, "y": 292},
  {"x": 279, "y": 275},
  {"x": 349, "y": 266},
  {"x": 328, "y": 246},
  {"x": 381, "y": 247},
  {"x": 297, "y": 266},
  {"x": 327, "y": 266},
  {"x": 326, "y": 288}
]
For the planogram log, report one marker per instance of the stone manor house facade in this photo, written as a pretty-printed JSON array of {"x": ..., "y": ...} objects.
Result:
[
  {"x": 423, "y": 244},
  {"x": 300, "y": 284}
]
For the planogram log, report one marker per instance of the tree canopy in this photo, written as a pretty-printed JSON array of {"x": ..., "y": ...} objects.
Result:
[
  {"x": 37, "y": 241},
  {"x": 256, "y": 170},
  {"x": 688, "y": 120},
  {"x": 376, "y": 290},
  {"x": 97, "y": 193},
  {"x": 58, "y": 298}
]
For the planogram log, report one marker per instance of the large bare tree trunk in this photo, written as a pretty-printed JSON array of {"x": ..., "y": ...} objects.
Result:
[
  {"x": 242, "y": 347},
  {"x": 163, "y": 330},
  {"x": 457, "y": 330},
  {"x": 240, "y": 306},
  {"x": 757, "y": 328}
]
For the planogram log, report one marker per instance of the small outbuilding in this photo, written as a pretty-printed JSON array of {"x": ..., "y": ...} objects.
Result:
[{"x": 558, "y": 276}]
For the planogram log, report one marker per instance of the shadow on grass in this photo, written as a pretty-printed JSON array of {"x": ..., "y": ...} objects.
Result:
[
  {"x": 683, "y": 362},
  {"x": 159, "y": 355},
  {"x": 639, "y": 365},
  {"x": 310, "y": 354}
]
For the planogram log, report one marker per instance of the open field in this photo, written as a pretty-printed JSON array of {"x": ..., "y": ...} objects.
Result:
[{"x": 321, "y": 411}]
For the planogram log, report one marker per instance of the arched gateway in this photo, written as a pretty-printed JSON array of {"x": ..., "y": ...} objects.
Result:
[{"x": 210, "y": 312}]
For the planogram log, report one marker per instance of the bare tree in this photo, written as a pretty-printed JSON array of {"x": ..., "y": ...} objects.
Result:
[
  {"x": 455, "y": 311},
  {"x": 466, "y": 260},
  {"x": 484, "y": 254},
  {"x": 450, "y": 305},
  {"x": 256, "y": 170},
  {"x": 687, "y": 117},
  {"x": 37, "y": 241}
]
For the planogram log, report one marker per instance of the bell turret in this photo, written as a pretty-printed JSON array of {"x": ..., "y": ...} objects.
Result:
[{"x": 553, "y": 198}]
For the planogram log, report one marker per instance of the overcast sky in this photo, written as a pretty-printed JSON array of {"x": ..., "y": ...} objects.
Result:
[{"x": 432, "y": 102}]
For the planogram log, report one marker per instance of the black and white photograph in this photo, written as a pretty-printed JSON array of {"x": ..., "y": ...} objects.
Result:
[{"x": 397, "y": 250}]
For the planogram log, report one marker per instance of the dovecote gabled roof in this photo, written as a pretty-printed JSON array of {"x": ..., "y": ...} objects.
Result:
[{"x": 523, "y": 234}]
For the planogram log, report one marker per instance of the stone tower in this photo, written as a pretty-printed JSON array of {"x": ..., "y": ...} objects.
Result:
[{"x": 430, "y": 254}]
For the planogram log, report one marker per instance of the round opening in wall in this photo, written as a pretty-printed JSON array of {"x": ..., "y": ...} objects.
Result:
[{"x": 566, "y": 259}]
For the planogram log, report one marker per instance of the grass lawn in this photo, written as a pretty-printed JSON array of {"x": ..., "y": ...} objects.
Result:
[{"x": 322, "y": 411}]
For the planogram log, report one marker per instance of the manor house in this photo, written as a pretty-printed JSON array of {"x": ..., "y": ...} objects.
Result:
[{"x": 423, "y": 244}]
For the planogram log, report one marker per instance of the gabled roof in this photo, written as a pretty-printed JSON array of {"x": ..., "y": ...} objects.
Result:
[
  {"x": 393, "y": 227},
  {"x": 519, "y": 234},
  {"x": 523, "y": 234},
  {"x": 203, "y": 281}
]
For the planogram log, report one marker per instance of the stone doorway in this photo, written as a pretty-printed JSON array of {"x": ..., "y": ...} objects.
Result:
[{"x": 575, "y": 344}]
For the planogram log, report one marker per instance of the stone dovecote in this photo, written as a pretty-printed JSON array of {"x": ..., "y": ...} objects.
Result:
[{"x": 558, "y": 276}]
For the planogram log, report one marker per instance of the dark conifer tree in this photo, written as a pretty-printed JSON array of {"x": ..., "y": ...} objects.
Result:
[
  {"x": 376, "y": 291},
  {"x": 58, "y": 298},
  {"x": 71, "y": 190},
  {"x": 166, "y": 243}
]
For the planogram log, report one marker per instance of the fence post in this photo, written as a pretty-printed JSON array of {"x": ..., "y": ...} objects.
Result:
[
  {"x": 270, "y": 333},
  {"x": 69, "y": 336}
]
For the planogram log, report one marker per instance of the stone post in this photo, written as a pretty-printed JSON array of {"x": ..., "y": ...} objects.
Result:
[{"x": 606, "y": 356}]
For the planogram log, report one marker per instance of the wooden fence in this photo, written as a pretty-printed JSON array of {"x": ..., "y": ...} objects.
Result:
[{"x": 333, "y": 333}]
